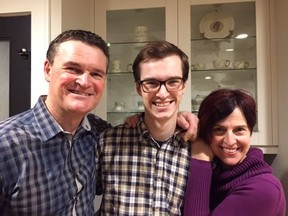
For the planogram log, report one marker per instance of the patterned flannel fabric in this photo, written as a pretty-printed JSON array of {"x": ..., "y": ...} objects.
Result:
[
  {"x": 139, "y": 175},
  {"x": 43, "y": 170}
]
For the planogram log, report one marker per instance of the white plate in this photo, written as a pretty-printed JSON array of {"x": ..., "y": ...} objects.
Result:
[{"x": 216, "y": 25}]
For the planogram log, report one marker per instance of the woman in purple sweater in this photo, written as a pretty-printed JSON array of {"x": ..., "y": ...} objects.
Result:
[{"x": 238, "y": 181}]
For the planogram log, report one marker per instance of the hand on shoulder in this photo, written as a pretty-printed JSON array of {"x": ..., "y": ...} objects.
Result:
[{"x": 201, "y": 151}]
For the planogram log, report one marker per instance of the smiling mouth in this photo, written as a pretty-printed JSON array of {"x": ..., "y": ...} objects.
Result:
[
  {"x": 230, "y": 150},
  {"x": 80, "y": 93},
  {"x": 162, "y": 104}
]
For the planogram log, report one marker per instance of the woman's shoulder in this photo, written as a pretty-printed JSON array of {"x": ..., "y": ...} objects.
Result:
[{"x": 264, "y": 189}]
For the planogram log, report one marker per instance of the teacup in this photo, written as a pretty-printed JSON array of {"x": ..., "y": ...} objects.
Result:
[
  {"x": 198, "y": 66},
  {"x": 116, "y": 65},
  {"x": 140, "y": 105},
  {"x": 221, "y": 63},
  {"x": 129, "y": 68},
  {"x": 141, "y": 33},
  {"x": 196, "y": 102},
  {"x": 119, "y": 105},
  {"x": 240, "y": 64}
]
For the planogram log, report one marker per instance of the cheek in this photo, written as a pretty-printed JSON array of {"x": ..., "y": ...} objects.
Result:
[
  {"x": 99, "y": 86},
  {"x": 245, "y": 141},
  {"x": 216, "y": 142},
  {"x": 61, "y": 77}
]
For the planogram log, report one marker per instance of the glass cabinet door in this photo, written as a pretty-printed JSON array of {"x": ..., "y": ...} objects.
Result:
[{"x": 223, "y": 49}]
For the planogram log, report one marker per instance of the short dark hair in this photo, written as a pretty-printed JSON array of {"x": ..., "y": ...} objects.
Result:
[
  {"x": 87, "y": 37},
  {"x": 158, "y": 50},
  {"x": 220, "y": 104}
]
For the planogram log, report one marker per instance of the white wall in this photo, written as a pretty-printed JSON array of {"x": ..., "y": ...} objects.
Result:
[
  {"x": 71, "y": 14},
  {"x": 280, "y": 164}
]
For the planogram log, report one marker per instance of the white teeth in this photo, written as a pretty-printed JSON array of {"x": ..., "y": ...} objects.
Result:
[
  {"x": 162, "y": 104},
  {"x": 84, "y": 94},
  {"x": 229, "y": 150}
]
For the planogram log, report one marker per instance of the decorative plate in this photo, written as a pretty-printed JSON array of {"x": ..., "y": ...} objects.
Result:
[{"x": 216, "y": 25}]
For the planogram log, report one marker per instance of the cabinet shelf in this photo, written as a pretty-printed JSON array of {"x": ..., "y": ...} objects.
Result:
[
  {"x": 225, "y": 70},
  {"x": 223, "y": 39},
  {"x": 120, "y": 73}
]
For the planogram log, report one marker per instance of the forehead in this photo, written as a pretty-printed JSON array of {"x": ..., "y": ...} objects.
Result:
[
  {"x": 81, "y": 52},
  {"x": 169, "y": 66},
  {"x": 73, "y": 46},
  {"x": 235, "y": 118}
]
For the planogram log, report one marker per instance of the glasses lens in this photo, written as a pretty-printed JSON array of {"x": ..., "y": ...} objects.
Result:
[
  {"x": 173, "y": 84},
  {"x": 150, "y": 85}
]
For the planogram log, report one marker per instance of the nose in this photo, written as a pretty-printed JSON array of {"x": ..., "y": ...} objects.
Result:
[
  {"x": 83, "y": 80},
  {"x": 230, "y": 138},
  {"x": 162, "y": 90}
]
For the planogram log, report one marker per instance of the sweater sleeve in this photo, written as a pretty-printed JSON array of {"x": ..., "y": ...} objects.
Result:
[{"x": 196, "y": 200}]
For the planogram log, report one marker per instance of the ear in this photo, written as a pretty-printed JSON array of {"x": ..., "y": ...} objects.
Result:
[
  {"x": 138, "y": 88},
  {"x": 47, "y": 70}
]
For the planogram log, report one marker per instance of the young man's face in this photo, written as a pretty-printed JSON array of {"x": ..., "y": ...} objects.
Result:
[
  {"x": 161, "y": 105},
  {"x": 76, "y": 78}
]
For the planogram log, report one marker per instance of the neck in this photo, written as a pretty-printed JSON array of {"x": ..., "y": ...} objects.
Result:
[
  {"x": 69, "y": 121},
  {"x": 160, "y": 129}
]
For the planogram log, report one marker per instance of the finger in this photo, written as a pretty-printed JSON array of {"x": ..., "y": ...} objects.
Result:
[
  {"x": 189, "y": 136},
  {"x": 182, "y": 122}
]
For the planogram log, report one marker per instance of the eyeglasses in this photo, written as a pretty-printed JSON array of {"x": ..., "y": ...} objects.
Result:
[{"x": 153, "y": 85}]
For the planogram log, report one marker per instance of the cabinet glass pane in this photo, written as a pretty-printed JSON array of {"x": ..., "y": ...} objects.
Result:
[
  {"x": 127, "y": 32},
  {"x": 218, "y": 57}
]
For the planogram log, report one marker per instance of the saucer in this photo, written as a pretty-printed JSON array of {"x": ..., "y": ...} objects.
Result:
[{"x": 216, "y": 25}]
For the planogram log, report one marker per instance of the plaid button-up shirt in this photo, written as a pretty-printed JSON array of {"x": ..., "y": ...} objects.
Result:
[
  {"x": 43, "y": 170},
  {"x": 139, "y": 176}
]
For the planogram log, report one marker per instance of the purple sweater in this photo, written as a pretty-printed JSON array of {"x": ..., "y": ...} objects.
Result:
[{"x": 249, "y": 188}]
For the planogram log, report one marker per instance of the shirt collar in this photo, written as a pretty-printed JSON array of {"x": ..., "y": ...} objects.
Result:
[
  {"x": 176, "y": 138},
  {"x": 46, "y": 122}
]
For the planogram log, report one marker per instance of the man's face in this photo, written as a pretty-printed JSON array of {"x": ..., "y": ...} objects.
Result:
[
  {"x": 76, "y": 78},
  {"x": 162, "y": 105}
]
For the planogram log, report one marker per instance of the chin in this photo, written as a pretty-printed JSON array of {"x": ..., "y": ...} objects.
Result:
[
  {"x": 80, "y": 110},
  {"x": 231, "y": 162}
]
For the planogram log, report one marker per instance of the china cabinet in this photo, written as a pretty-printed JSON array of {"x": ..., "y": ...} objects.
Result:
[{"x": 210, "y": 33}]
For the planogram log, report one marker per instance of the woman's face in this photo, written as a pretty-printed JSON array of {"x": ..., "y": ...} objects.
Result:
[{"x": 231, "y": 139}]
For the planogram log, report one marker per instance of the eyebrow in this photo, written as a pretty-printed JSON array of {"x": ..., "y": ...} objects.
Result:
[
  {"x": 76, "y": 64},
  {"x": 172, "y": 77},
  {"x": 72, "y": 63}
]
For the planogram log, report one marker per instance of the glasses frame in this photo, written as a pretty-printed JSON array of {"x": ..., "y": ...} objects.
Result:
[{"x": 146, "y": 90}]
